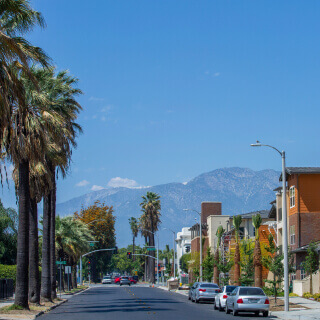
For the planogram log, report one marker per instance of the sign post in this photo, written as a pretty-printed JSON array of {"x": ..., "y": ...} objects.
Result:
[
  {"x": 67, "y": 270},
  {"x": 60, "y": 273}
]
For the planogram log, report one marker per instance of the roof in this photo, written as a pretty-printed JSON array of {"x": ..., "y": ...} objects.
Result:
[
  {"x": 272, "y": 212},
  {"x": 301, "y": 170},
  {"x": 263, "y": 213},
  {"x": 277, "y": 189},
  {"x": 305, "y": 248},
  {"x": 273, "y": 202}
]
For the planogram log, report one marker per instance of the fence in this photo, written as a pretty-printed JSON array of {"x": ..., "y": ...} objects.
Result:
[{"x": 6, "y": 288}]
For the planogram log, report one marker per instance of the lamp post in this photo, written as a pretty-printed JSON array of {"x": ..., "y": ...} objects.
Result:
[
  {"x": 199, "y": 213},
  {"x": 174, "y": 251},
  {"x": 157, "y": 251},
  {"x": 285, "y": 226}
]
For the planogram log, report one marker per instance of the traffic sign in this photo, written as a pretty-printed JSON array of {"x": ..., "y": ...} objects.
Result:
[
  {"x": 151, "y": 249},
  {"x": 91, "y": 244},
  {"x": 67, "y": 269},
  {"x": 61, "y": 262}
]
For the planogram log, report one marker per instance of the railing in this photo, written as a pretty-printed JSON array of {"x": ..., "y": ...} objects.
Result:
[{"x": 6, "y": 288}]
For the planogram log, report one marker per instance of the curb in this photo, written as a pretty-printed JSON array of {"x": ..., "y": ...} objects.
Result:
[{"x": 51, "y": 308}]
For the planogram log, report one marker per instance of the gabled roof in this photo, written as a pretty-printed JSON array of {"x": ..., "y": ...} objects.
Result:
[
  {"x": 301, "y": 170},
  {"x": 273, "y": 211},
  {"x": 263, "y": 213}
]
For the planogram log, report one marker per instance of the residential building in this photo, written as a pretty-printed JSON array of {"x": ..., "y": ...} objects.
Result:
[{"x": 183, "y": 245}]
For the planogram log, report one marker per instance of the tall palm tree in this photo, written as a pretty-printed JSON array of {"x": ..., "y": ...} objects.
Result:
[
  {"x": 151, "y": 206},
  {"x": 17, "y": 18},
  {"x": 256, "y": 222},
  {"x": 134, "y": 229},
  {"x": 219, "y": 234},
  {"x": 236, "y": 223}
]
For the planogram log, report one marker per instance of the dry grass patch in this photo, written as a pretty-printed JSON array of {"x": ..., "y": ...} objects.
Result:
[{"x": 280, "y": 305}]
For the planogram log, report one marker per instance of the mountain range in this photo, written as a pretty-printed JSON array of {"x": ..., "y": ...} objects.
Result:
[{"x": 240, "y": 190}]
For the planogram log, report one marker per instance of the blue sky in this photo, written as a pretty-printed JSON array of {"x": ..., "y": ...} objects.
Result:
[{"x": 177, "y": 88}]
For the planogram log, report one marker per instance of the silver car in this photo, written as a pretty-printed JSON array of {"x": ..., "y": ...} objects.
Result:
[
  {"x": 125, "y": 280},
  {"x": 221, "y": 298},
  {"x": 204, "y": 291},
  {"x": 106, "y": 280},
  {"x": 248, "y": 299}
]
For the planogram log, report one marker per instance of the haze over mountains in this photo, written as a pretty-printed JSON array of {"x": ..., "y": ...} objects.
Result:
[{"x": 240, "y": 190}]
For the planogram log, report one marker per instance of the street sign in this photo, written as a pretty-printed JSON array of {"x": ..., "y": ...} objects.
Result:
[
  {"x": 151, "y": 249},
  {"x": 61, "y": 262},
  {"x": 67, "y": 269},
  {"x": 91, "y": 244}
]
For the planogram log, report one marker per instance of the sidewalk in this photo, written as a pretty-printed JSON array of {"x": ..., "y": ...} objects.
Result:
[
  {"x": 312, "y": 313},
  {"x": 183, "y": 292}
]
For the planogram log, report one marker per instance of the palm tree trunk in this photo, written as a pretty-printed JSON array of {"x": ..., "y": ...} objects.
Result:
[
  {"x": 311, "y": 288},
  {"x": 237, "y": 265},
  {"x": 53, "y": 269},
  {"x": 152, "y": 261},
  {"x": 34, "y": 274},
  {"x": 133, "y": 258},
  {"x": 215, "y": 268},
  {"x": 257, "y": 264},
  {"x": 74, "y": 276},
  {"x": 21, "y": 293},
  {"x": 45, "y": 292}
]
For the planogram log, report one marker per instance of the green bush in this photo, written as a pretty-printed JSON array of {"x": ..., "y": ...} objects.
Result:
[
  {"x": 307, "y": 295},
  {"x": 317, "y": 296},
  {"x": 8, "y": 272},
  {"x": 293, "y": 295}
]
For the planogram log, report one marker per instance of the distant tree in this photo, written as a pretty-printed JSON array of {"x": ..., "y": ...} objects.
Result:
[
  {"x": 134, "y": 226},
  {"x": 257, "y": 221},
  {"x": 224, "y": 267},
  {"x": 184, "y": 260},
  {"x": 247, "y": 268},
  {"x": 311, "y": 263},
  {"x": 208, "y": 266},
  {"x": 219, "y": 234},
  {"x": 236, "y": 223}
]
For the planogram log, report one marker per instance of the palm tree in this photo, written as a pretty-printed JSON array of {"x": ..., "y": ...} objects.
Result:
[
  {"x": 236, "y": 223},
  {"x": 134, "y": 229},
  {"x": 17, "y": 18},
  {"x": 219, "y": 234},
  {"x": 151, "y": 206},
  {"x": 256, "y": 222}
]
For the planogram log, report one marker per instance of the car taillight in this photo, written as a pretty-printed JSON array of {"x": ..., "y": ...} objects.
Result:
[
  {"x": 240, "y": 301},
  {"x": 267, "y": 301},
  {"x": 202, "y": 290},
  {"x": 224, "y": 296},
  {"x": 218, "y": 290}
]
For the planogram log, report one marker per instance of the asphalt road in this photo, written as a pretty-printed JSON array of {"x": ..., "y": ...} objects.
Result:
[{"x": 134, "y": 302}]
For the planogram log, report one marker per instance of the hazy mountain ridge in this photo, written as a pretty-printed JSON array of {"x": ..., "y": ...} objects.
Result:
[{"x": 239, "y": 189}]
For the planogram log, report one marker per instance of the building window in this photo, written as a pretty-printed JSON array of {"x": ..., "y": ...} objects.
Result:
[
  {"x": 293, "y": 276},
  {"x": 292, "y": 193},
  {"x": 280, "y": 214},
  {"x": 302, "y": 273},
  {"x": 292, "y": 234}
]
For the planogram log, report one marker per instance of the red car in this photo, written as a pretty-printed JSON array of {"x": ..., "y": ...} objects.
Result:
[
  {"x": 117, "y": 279},
  {"x": 132, "y": 280}
]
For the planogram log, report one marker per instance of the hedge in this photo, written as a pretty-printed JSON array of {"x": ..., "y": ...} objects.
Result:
[{"x": 8, "y": 272}]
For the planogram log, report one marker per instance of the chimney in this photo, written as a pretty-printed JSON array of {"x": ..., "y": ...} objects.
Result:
[{"x": 210, "y": 209}]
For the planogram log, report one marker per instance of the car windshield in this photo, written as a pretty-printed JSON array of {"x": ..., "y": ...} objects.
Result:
[
  {"x": 124, "y": 278},
  {"x": 229, "y": 289},
  {"x": 106, "y": 277},
  {"x": 251, "y": 292},
  {"x": 209, "y": 285}
]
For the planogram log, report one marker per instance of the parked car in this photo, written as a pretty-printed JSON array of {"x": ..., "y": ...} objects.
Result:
[
  {"x": 117, "y": 279},
  {"x": 132, "y": 280},
  {"x": 248, "y": 299},
  {"x": 125, "y": 280},
  {"x": 106, "y": 280},
  {"x": 221, "y": 298},
  {"x": 135, "y": 278},
  {"x": 191, "y": 291},
  {"x": 205, "y": 291}
]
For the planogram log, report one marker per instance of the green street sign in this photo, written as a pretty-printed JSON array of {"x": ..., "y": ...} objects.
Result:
[
  {"x": 151, "y": 249},
  {"x": 91, "y": 244},
  {"x": 61, "y": 262}
]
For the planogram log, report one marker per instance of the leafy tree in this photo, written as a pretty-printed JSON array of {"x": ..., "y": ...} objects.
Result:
[
  {"x": 274, "y": 263},
  {"x": 184, "y": 260},
  {"x": 224, "y": 267},
  {"x": 311, "y": 263},
  {"x": 236, "y": 223},
  {"x": 219, "y": 234},
  {"x": 247, "y": 268},
  {"x": 257, "y": 221},
  {"x": 194, "y": 263},
  {"x": 208, "y": 266},
  {"x": 101, "y": 222},
  {"x": 150, "y": 220}
]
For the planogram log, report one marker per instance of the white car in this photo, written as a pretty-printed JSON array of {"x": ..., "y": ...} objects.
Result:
[
  {"x": 221, "y": 298},
  {"x": 106, "y": 280}
]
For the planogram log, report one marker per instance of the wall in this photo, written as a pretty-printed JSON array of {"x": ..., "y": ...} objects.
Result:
[
  {"x": 210, "y": 208},
  {"x": 302, "y": 286},
  {"x": 309, "y": 185},
  {"x": 213, "y": 223}
]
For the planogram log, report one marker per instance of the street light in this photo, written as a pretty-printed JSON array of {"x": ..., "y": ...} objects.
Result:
[
  {"x": 174, "y": 251},
  {"x": 199, "y": 213},
  {"x": 285, "y": 226},
  {"x": 157, "y": 250}
]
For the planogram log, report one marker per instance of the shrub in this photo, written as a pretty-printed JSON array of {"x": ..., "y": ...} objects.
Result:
[
  {"x": 8, "y": 272},
  {"x": 293, "y": 295},
  {"x": 317, "y": 296},
  {"x": 307, "y": 295}
]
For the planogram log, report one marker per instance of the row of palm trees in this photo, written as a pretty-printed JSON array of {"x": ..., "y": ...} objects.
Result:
[
  {"x": 37, "y": 132},
  {"x": 257, "y": 256},
  {"x": 147, "y": 224}
]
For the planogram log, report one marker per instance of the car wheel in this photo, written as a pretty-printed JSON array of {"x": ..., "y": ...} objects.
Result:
[
  {"x": 265, "y": 313},
  {"x": 189, "y": 298},
  {"x": 220, "y": 308},
  {"x": 197, "y": 301},
  {"x": 256, "y": 313},
  {"x": 227, "y": 309},
  {"x": 120, "y": 284},
  {"x": 234, "y": 311}
]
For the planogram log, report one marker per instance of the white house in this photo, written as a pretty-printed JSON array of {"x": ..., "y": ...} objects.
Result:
[{"x": 183, "y": 242}]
